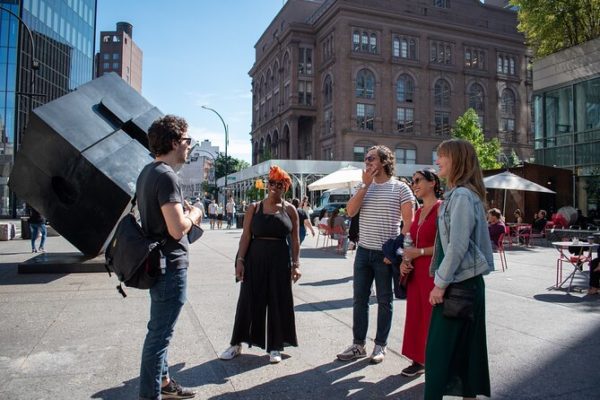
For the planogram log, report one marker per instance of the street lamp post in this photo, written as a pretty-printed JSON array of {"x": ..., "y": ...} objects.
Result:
[{"x": 226, "y": 142}]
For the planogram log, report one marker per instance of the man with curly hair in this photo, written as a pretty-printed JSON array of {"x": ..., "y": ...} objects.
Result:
[
  {"x": 384, "y": 202},
  {"x": 165, "y": 215}
]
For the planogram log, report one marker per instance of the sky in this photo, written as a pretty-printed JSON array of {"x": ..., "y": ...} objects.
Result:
[{"x": 197, "y": 52}]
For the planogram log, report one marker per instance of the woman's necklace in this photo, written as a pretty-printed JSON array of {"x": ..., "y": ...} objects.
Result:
[{"x": 424, "y": 213}]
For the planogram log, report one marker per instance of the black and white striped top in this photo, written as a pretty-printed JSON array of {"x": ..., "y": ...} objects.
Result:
[{"x": 380, "y": 213}]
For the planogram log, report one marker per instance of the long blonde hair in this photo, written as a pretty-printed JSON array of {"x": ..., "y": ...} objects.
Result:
[{"x": 465, "y": 169}]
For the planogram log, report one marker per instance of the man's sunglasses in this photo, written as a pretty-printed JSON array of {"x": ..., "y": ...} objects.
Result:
[
  {"x": 277, "y": 184},
  {"x": 187, "y": 140},
  {"x": 369, "y": 158}
]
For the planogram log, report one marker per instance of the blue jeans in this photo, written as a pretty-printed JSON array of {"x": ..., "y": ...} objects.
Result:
[
  {"x": 34, "y": 229},
  {"x": 369, "y": 265},
  {"x": 167, "y": 297}
]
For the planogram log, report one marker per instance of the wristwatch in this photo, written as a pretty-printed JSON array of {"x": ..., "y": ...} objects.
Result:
[
  {"x": 363, "y": 186},
  {"x": 422, "y": 251}
]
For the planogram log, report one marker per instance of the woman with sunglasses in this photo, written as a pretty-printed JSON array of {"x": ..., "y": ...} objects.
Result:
[
  {"x": 415, "y": 265},
  {"x": 456, "y": 352},
  {"x": 264, "y": 267}
]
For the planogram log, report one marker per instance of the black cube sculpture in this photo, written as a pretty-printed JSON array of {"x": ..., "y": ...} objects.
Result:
[{"x": 80, "y": 159}]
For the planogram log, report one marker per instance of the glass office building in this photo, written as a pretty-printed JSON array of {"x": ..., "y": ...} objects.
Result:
[
  {"x": 566, "y": 115},
  {"x": 63, "y": 34}
]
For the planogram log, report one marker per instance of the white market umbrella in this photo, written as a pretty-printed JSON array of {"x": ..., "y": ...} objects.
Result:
[
  {"x": 345, "y": 177},
  {"x": 508, "y": 181}
]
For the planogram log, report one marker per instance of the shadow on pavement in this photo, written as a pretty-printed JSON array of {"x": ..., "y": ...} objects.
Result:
[
  {"x": 570, "y": 373},
  {"x": 328, "y": 282},
  {"x": 326, "y": 252},
  {"x": 9, "y": 276},
  {"x": 324, "y": 381}
]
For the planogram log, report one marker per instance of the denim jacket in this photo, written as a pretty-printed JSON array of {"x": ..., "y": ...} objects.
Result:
[{"x": 464, "y": 238}]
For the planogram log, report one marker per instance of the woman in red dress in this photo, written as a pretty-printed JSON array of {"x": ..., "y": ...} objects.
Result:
[{"x": 426, "y": 186}]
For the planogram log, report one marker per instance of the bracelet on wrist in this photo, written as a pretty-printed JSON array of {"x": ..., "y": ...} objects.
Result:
[
  {"x": 296, "y": 264},
  {"x": 422, "y": 251},
  {"x": 240, "y": 259}
]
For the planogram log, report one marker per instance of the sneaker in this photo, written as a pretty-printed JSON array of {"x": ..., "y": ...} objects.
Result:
[
  {"x": 378, "y": 354},
  {"x": 175, "y": 391},
  {"x": 41, "y": 250},
  {"x": 33, "y": 250},
  {"x": 231, "y": 352},
  {"x": 414, "y": 369},
  {"x": 352, "y": 353},
  {"x": 274, "y": 357}
]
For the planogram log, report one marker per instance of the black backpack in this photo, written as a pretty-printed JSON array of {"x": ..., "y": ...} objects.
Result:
[
  {"x": 132, "y": 256},
  {"x": 353, "y": 230}
]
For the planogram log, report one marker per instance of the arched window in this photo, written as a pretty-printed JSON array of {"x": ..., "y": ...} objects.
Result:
[
  {"x": 365, "y": 84},
  {"x": 405, "y": 89},
  {"x": 275, "y": 145},
  {"x": 275, "y": 74},
  {"x": 328, "y": 90},
  {"x": 269, "y": 82},
  {"x": 476, "y": 98},
  {"x": 507, "y": 111},
  {"x": 405, "y": 155},
  {"x": 441, "y": 93},
  {"x": 360, "y": 150},
  {"x": 286, "y": 65}
]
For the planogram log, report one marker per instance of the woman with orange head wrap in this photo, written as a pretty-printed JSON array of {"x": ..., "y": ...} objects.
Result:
[{"x": 264, "y": 266}]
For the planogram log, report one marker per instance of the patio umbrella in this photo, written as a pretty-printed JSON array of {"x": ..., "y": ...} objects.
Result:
[
  {"x": 509, "y": 181},
  {"x": 345, "y": 177}
]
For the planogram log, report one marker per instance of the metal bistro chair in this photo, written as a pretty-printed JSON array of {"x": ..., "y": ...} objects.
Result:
[
  {"x": 340, "y": 234},
  {"x": 501, "y": 252},
  {"x": 325, "y": 231}
]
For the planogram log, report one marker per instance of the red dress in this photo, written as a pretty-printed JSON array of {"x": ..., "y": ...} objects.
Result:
[{"x": 420, "y": 284}]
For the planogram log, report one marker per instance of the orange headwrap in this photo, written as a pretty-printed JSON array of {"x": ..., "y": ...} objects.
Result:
[{"x": 278, "y": 174}]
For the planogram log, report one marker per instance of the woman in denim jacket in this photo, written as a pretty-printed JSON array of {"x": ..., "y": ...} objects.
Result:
[{"x": 456, "y": 353}]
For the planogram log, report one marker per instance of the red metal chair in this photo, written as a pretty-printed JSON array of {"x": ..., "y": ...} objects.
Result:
[
  {"x": 501, "y": 253},
  {"x": 341, "y": 235},
  {"x": 507, "y": 235}
]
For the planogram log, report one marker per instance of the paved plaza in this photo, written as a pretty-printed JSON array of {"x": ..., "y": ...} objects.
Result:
[{"x": 72, "y": 336}]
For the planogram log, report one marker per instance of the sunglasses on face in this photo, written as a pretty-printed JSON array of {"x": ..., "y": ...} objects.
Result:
[
  {"x": 187, "y": 140},
  {"x": 369, "y": 158},
  {"x": 277, "y": 184},
  {"x": 416, "y": 181}
]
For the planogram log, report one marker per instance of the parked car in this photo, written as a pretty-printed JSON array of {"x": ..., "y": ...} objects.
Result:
[{"x": 329, "y": 207}]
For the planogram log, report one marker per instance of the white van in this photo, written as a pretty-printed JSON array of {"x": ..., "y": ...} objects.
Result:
[{"x": 334, "y": 196}]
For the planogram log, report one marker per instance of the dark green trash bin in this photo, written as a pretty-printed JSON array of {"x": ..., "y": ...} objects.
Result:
[
  {"x": 25, "y": 232},
  {"x": 239, "y": 221}
]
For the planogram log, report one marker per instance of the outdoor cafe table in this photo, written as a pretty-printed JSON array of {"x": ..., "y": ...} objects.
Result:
[
  {"x": 520, "y": 232},
  {"x": 576, "y": 260}
]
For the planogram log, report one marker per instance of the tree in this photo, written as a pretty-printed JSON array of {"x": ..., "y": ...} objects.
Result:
[
  {"x": 467, "y": 127},
  {"x": 233, "y": 165},
  {"x": 553, "y": 25}
]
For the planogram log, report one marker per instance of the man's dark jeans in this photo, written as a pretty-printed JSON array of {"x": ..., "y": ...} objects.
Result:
[
  {"x": 167, "y": 298},
  {"x": 369, "y": 265}
]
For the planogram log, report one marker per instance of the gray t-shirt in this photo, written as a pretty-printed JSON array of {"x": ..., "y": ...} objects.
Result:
[{"x": 157, "y": 185}]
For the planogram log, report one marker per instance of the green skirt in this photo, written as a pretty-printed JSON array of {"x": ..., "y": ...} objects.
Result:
[{"x": 456, "y": 353}]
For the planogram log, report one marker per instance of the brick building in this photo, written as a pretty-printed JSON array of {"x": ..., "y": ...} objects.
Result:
[
  {"x": 119, "y": 54},
  {"x": 333, "y": 77}
]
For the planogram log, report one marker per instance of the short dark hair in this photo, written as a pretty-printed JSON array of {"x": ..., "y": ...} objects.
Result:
[
  {"x": 295, "y": 202},
  {"x": 387, "y": 159},
  {"x": 163, "y": 132}
]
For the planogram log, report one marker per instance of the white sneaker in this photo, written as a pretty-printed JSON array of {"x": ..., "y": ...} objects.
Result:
[
  {"x": 231, "y": 352},
  {"x": 274, "y": 357},
  {"x": 378, "y": 354}
]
